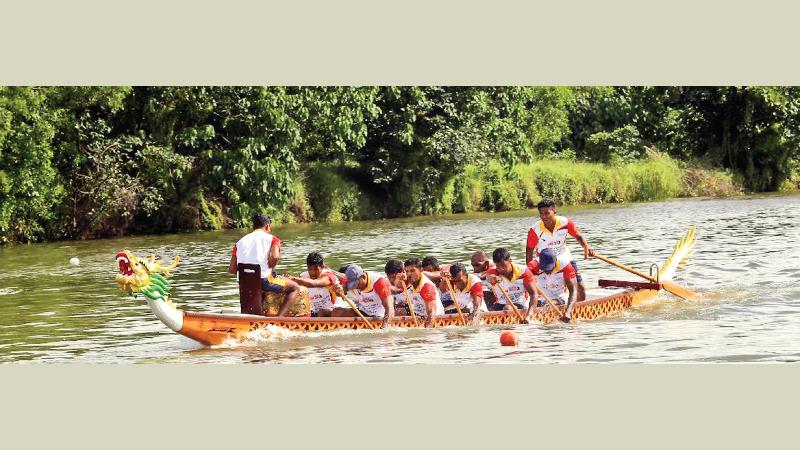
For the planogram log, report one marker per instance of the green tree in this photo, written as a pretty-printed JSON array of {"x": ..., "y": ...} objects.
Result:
[{"x": 29, "y": 189}]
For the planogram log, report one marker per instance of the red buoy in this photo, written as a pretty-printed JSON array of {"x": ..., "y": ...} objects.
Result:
[{"x": 508, "y": 338}]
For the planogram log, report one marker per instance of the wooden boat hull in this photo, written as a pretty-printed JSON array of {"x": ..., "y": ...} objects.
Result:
[{"x": 216, "y": 328}]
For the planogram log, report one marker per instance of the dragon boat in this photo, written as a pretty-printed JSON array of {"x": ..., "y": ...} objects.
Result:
[{"x": 148, "y": 278}]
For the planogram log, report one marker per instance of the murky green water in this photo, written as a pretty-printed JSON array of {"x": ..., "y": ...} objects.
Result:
[{"x": 747, "y": 256}]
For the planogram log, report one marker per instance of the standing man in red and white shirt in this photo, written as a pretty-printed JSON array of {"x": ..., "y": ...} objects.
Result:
[
  {"x": 551, "y": 232},
  {"x": 554, "y": 280},
  {"x": 262, "y": 248}
]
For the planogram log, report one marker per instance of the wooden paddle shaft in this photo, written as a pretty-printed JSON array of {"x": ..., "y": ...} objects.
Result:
[
  {"x": 455, "y": 300},
  {"x": 355, "y": 308},
  {"x": 410, "y": 303},
  {"x": 541, "y": 292},
  {"x": 624, "y": 267},
  {"x": 508, "y": 299}
]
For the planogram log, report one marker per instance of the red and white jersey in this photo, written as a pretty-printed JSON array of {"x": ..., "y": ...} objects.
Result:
[
  {"x": 254, "y": 248},
  {"x": 514, "y": 286},
  {"x": 474, "y": 287},
  {"x": 369, "y": 299},
  {"x": 425, "y": 291},
  {"x": 553, "y": 284},
  {"x": 540, "y": 238},
  {"x": 324, "y": 297}
]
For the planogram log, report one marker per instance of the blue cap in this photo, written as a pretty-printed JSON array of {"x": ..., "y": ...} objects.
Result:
[
  {"x": 547, "y": 260},
  {"x": 353, "y": 273}
]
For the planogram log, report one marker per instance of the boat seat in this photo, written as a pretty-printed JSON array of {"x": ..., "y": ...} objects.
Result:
[{"x": 250, "y": 294}]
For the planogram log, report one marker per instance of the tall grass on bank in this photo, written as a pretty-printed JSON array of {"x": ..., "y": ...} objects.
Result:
[
  {"x": 567, "y": 182},
  {"x": 326, "y": 194}
]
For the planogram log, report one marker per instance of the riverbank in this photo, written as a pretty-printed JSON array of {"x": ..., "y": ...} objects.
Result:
[{"x": 326, "y": 193}]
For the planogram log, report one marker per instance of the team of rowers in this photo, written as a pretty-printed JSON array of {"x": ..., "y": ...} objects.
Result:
[{"x": 426, "y": 287}]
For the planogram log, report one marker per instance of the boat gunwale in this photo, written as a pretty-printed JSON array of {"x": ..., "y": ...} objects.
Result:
[{"x": 400, "y": 319}]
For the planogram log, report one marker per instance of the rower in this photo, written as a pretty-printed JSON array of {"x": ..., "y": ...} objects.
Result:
[
  {"x": 480, "y": 264},
  {"x": 551, "y": 231},
  {"x": 516, "y": 279},
  {"x": 263, "y": 249},
  {"x": 468, "y": 290},
  {"x": 322, "y": 283},
  {"x": 425, "y": 297},
  {"x": 395, "y": 273},
  {"x": 432, "y": 270},
  {"x": 554, "y": 279},
  {"x": 370, "y": 292}
]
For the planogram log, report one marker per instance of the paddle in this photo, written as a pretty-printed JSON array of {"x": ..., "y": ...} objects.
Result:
[
  {"x": 541, "y": 292},
  {"x": 410, "y": 303},
  {"x": 455, "y": 300},
  {"x": 357, "y": 311},
  {"x": 671, "y": 287},
  {"x": 508, "y": 299}
]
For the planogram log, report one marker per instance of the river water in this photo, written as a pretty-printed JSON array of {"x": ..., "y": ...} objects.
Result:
[{"x": 746, "y": 262}]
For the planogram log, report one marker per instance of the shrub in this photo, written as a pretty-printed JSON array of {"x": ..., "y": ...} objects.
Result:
[
  {"x": 333, "y": 198},
  {"x": 620, "y": 146}
]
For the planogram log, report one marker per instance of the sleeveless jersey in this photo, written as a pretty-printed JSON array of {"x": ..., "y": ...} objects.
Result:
[
  {"x": 369, "y": 299},
  {"x": 425, "y": 291},
  {"x": 540, "y": 238},
  {"x": 474, "y": 287},
  {"x": 254, "y": 248},
  {"x": 322, "y": 297},
  {"x": 514, "y": 286}
]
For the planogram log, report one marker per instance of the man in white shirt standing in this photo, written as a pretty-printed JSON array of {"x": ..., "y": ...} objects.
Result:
[{"x": 262, "y": 248}]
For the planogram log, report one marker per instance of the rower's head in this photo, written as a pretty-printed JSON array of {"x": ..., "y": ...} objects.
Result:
[
  {"x": 262, "y": 221},
  {"x": 393, "y": 268},
  {"x": 430, "y": 264},
  {"x": 356, "y": 277},
  {"x": 547, "y": 211},
  {"x": 459, "y": 275},
  {"x": 413, "y": 268},
  {"x": 479, "y": 261},
  {"x": 314, "y": 264},
  {"x": 547, "y": 260},
  {"x": 502, "y": 261}
]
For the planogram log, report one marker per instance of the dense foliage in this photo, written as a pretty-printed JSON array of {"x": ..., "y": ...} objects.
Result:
[{"x": 78, "y": 162}]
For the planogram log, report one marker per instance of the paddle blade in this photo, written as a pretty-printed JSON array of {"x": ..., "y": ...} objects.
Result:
[{"x": 678, "y": 290}]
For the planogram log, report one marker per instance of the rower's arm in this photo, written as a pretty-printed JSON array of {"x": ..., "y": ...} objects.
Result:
[
  {"x": 528, "y": 254},
  {"x": 531, "y": 289},
  {"x": 430, "y": 313},
  {"x": 311, "y": 283},
  {"x": 572, "y": 287},
  {"x": 587, "y": 250},
  {"x": 382, "y": 289},
  {"x": 233, "y": 267},
  {"x": 476, "y": 303},
  {"x": 433, "y": 276},
  {"x": 274, "y": 255},
  {"x": 388, "y": 308}
]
